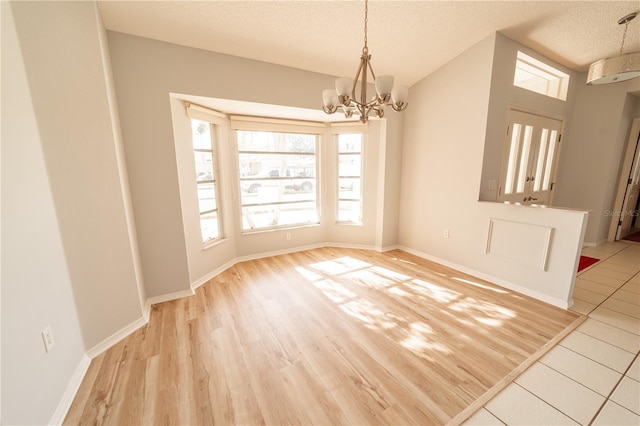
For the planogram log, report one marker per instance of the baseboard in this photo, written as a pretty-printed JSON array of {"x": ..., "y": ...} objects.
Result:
[
  {"x": 70, "y": 392},
  {"x": 389, "y": 248},
  {"x": 596, "y": 244},
  {"x": 200, "y": 281},
  {"x": 115, "y": 338},
  {"x": 279, "y": 252},
  {"x": 490, "y": 278},
  {"x": 352, "y": 246}
]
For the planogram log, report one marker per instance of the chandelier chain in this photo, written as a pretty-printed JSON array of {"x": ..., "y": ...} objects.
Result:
[
  {"x": 366, "y": 21},
  {"x": 624, "y": 35}
]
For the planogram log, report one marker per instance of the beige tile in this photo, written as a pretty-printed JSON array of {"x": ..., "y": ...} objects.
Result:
[
  {"x": 570, "y": 397},
  {"x": 607, "y": 333},
  {"x": 594, "y": 287},
  {"x": 599, "y": 351},
  {"x": 614, "y": 271},
  {"x": 627, "y": 394},
  {"x": 627, "y": 296},
  {"x": 616, "y": 319},
  {"x": 622, "y": 258},
  {"x": 613, "y": 415},
  {"x": 613, "y": 246},
  {"x": 630, "y": 270},
  {"x": 634, "y": 370},
  {"x": 582, "y": 307},
  {"x": 597, "y": 253},
  {"x": 631, "y": 287},
  {"x": 515, "y": 406},
  {"x": 599, "y": 278},
  {"x": 583, "y": 370},
  {"x": 481, "y": 418},
  {"x": 623, "y": 307},
  {"x": 588, "y": 296}
]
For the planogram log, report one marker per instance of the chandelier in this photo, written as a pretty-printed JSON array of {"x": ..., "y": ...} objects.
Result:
[
  {"x": 344, "y": 95},
  {"x": 618, "y": 68}
]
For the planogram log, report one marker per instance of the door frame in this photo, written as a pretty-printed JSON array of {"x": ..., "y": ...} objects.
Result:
[{"x": 625, "y": 171}]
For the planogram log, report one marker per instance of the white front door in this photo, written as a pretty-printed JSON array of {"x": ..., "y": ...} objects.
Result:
[
  {"x": 544, "y": 161},
  {"x": 529, "y": 159}
]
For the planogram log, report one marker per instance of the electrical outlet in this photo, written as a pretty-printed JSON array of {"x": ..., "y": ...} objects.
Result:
[
  {"x": 445, "y": 233},
  {"x": 47, "y": 337},
  {"x": 493, "y": 185},
  {"x": 288, "y": 236}
]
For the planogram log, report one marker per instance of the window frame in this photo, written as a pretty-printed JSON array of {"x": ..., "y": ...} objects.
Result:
[
  {"x": 557, "y": 82},
  {"x": 215, "y": 121},
  {"x": 338, "y": 129},
  {"x": 278, "y": 126}
]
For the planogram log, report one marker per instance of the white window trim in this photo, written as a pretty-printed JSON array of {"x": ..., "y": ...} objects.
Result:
[
  {"x": 350, "y": 128},
  {"x": 216, "y": 120},
  {"x": 276, "y": 125},
  {"x": 558, "y": 79}
]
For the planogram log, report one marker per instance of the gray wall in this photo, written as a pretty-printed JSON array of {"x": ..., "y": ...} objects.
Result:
[
  {"x": 593, "y": 150},
  {"x": 146, "y": 73},
  {"x": 68, "y": 258}
]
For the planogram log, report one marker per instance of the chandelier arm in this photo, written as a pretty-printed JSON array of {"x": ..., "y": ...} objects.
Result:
[
  {"x": 371, "y": 69},
  {"x": 363, "y": 84},
  {"x": 355, "y": 80}
]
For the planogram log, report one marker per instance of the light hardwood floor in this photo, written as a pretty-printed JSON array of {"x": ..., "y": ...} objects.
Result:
[{"x": 324, "y": 336}]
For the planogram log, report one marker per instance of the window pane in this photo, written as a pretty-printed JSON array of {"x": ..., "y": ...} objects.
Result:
[
  {"x": 277, "y": 179},
  {"x": 549, "y": 163},
  {"x": 542, "y": 150},
  {"x": 206, "y": 189},
  {"x": 265, "y": 216},
  {"x": 349, "y": 211},
  {"x": 201, "y": 134},
  {"x": 268, "y": 165},
  {"x": 275, "y": 142},
  {"x": 277, "y": 190},
  {"x": 524, "y": 158},
  {"x": 536, "y": 76},
  {"x": 349, "y": 188},
  {"x": 513, "y": 155},
  {"x": 209, "y": 226},
  {"x": 350, "y": 143},
  {"x": 349, "y": 178},
  {"x": 350, "y": 165},
  {"x": 204, "y": 165},
  {"x": 206, "y": 197}
]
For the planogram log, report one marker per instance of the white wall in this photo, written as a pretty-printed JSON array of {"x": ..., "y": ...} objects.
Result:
[
  {"x": 36, "y": 286},
  {"x": 593, "y": 150},
  {"x": 146, "y": 72},
  {"x": 444, "y": 138}
]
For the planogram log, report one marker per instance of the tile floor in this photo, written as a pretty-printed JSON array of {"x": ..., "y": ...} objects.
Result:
[{"x": 592, "y": 377}]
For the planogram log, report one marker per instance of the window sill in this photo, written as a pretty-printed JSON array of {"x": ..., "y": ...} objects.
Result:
[
  {"x": 279, "y": 228},
  {"x": 214, "y": 243},
  {"x": 360, "y": 224}
]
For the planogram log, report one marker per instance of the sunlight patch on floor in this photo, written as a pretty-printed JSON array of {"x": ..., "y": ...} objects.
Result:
[{"x": 464, "y": 310}]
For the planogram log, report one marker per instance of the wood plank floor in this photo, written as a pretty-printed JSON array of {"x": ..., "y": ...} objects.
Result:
[{"x": 324, "y": 336}]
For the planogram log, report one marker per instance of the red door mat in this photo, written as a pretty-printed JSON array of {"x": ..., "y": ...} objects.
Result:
[
  {"x": 633, "y": 237},
  {"x": 586, "y": 261}
]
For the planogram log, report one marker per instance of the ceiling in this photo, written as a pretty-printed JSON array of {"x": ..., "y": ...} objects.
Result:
[{"x": 407, "y": 39}]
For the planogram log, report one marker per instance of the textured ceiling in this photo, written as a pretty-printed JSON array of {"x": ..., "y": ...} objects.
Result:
[{"x": 407, "y": 39}]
